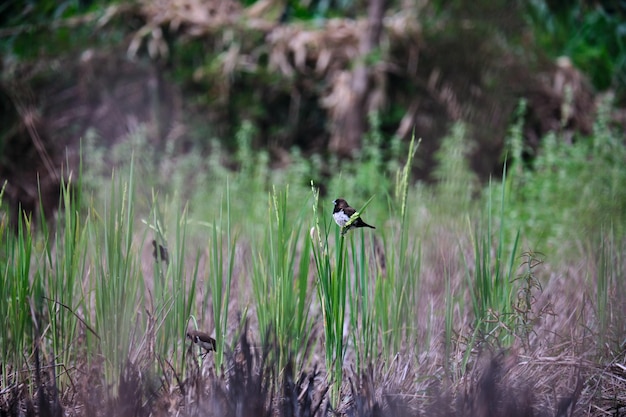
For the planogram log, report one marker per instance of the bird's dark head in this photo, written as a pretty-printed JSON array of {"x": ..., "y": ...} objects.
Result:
[{"x": 340, "y": 203}]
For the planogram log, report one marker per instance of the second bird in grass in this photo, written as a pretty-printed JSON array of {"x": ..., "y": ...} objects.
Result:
[
  {"x": 203, "y": 340},
  {"x": 159, "y": 252},
  {"x": 342, "y": 213}
]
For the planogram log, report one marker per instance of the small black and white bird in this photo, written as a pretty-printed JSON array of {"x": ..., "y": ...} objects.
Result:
[
  {"x": 161, "y": 254},
  {"x": 342, "y": 213},
  {"x": 203, "y": 340}
]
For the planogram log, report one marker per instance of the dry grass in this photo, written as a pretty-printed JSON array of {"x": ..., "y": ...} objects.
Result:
[{"x": 502, "y": 384}]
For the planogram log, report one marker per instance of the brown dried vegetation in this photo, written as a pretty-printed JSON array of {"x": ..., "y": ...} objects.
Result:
[{"x": 503, "y": 384}]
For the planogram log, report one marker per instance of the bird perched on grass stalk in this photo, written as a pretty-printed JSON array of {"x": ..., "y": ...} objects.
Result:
[{"x": 342, "y": 213}]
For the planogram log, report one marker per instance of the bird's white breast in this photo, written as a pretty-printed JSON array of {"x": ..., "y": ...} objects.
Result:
[{"x": 341, "y": 218}]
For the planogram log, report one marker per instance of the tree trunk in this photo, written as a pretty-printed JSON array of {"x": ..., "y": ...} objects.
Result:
[{"x": 346, "y": 137}]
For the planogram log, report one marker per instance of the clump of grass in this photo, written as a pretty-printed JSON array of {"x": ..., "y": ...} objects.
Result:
[
  {"x": 397, "y": 298},
  {"x": 280, "y": 281},
  {"x": 174, "y": 283},
  {"x": 378, "y": 293},
  {"x": 332, "y": 286},
  {"x": 17, "y": 333},
  {"x": 607, "y": 268},
  {"x": 569, "y": 190},
  {"x": 221, "y": 267},
  {"x": 362, "y": 310},
  {"x": 491, "y": 281},
  {"x": 63, "y": 267},
  {"x": 117, "y": 278}
]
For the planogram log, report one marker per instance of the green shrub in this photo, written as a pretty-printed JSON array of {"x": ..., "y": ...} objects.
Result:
[{"x": 570, "y": 191}]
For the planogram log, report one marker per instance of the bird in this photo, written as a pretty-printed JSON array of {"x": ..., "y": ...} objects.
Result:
[
  {"x": 203, "y": 340},
  {"x": 161, "y": 254},
  {"x": 342, "y": 214}
]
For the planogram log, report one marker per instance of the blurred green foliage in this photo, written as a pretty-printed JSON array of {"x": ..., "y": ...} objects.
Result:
[
  {"x": 31, "y": 29},
  {"x": 592, "y": 34},
  {"x": 571, "y": 190}
]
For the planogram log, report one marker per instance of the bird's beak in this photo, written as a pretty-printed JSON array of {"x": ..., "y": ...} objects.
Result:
[{"x": 335, "y": 202}]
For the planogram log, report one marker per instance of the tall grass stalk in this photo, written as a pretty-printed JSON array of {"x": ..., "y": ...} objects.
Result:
[
  {"x": 16, "y": 333},
  {"x": 361, "y": 304},
  {"x": 280, "y": 282},
  {"x": 185, "y": 288},
  {"x": 174, "y": 293},
  {"x": 221, "y": 264},
  {"x": 609, "y": 311},
  {"x": 491, "y": 280},
  {"x": 448, "y": 320},
  {"x": 397, "y": 289},
  {"x": 66, "y": 255},
  {"x": 116, "y": 277},
  {"x": 332, "y": 281}
]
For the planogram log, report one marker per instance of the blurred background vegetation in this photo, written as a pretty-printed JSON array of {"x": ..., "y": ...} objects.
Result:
[
  {"x": 224, "y": 114},
  {"x": 301, "y": 77},
  {"x": 289, "y": 91}
]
